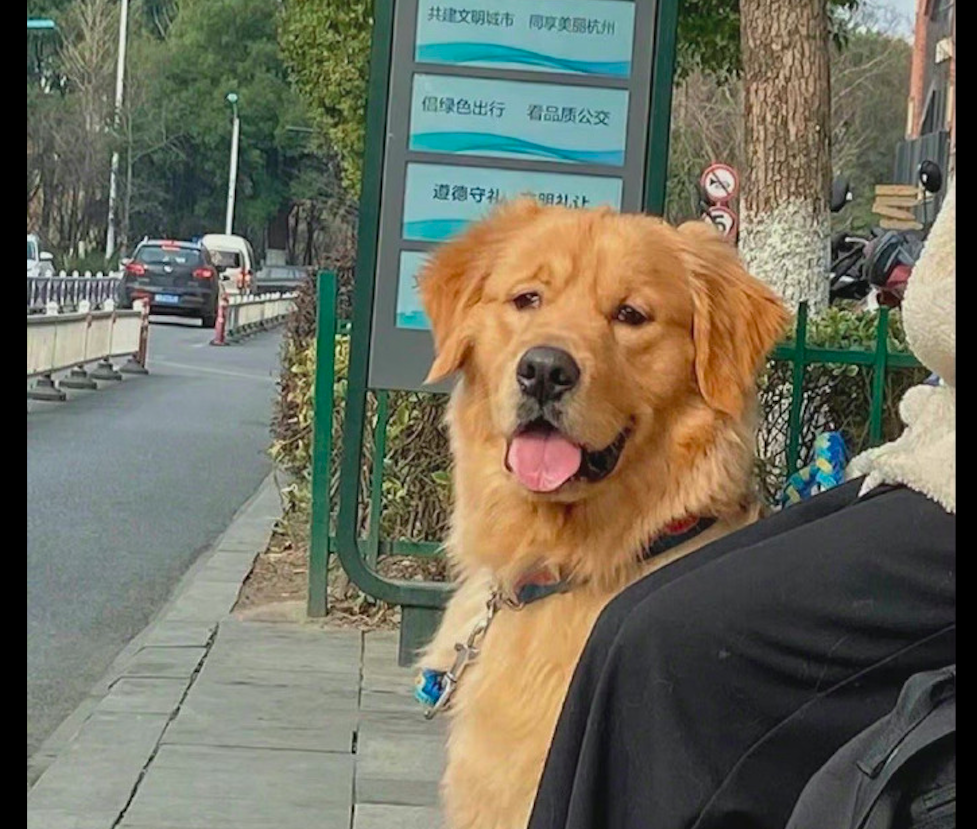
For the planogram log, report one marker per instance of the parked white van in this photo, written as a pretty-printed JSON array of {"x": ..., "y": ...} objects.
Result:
[{"x": 234, "y": 259}]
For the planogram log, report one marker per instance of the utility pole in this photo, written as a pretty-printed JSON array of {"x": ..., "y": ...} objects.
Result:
[
  {"x": 120, "y": 72},
  {"x": 232, "y": 175}
]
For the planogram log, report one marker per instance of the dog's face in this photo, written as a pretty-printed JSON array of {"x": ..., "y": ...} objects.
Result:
[{"x": 582, "y": 335}]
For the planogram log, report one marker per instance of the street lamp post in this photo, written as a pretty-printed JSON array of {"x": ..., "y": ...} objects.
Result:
[
  {"x": 232, "y": 175},
  {"x": 119, "y": 85}
]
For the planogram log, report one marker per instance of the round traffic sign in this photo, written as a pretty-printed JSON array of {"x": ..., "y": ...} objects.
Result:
[
  {"x": 719, "y": 183},
  {"x": 723, "y": 218}
]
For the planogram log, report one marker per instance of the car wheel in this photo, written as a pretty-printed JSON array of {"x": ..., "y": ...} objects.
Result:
[{"x": 209, "y": 318}]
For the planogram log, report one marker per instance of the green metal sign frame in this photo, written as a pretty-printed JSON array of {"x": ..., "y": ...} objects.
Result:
[{"x": 421, "y": 601}]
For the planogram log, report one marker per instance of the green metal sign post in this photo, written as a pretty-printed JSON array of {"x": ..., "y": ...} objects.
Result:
[{"x": 418, "y": 80}]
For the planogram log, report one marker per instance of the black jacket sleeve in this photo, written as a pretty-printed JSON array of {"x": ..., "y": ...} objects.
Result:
[{"x": 711, "y": 690}]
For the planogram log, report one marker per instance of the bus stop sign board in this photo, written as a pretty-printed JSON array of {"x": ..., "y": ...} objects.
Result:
[{"x": 488, "y": 100}]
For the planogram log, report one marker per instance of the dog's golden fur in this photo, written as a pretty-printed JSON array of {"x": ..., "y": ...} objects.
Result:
[{"x": 684, "y": 381}]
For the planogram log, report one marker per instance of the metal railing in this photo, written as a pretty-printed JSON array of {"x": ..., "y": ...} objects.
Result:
[
  {"x": 797, "y": 352},
  {"x": 801, "y": 355},
  {"x": 68, "y": 291},
  {"x": 257, "y": 312}
]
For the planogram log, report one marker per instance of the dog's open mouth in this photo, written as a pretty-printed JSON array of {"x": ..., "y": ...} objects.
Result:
[{"x": 544, "y": 459}]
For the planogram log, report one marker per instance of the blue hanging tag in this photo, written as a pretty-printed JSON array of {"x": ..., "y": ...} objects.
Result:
[{"x": 428, "y": 687}]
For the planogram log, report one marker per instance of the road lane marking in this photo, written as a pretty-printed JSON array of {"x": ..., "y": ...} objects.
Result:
[{"x": 219, "y": 371}]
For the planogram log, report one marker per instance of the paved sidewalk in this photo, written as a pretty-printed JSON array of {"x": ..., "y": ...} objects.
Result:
[{"x": 211, "y": 722}]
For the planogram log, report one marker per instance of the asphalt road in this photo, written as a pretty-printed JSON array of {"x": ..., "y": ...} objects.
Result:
[{"x": 126, "y": 486}]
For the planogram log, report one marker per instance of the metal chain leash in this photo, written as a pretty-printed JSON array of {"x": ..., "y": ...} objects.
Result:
[{"x": 468, "y": 652}]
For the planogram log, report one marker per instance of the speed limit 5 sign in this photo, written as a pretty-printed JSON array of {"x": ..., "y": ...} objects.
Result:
[{"x": 723, "y": 218}]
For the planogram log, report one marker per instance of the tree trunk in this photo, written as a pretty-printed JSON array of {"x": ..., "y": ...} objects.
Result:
[
  {"x": 295, "y": 216},
  {"x": 787, "y": 111},
  {"x": 310, "y": 230}
]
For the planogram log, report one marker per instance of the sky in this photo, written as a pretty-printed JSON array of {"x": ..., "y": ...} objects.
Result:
[
  {"x": 905, "y": 10},
  {"x": 904, "y": 7}
]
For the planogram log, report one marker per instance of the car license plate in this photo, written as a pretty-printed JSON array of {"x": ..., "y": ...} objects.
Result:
[{"x": 167, "y": 299}]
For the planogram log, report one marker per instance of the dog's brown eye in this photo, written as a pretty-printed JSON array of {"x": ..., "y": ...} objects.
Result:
[
  {"x": 529, "y": 299},
  {"x": 629, "y": 315}
]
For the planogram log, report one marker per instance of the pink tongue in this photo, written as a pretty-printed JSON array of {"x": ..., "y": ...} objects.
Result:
[{"x": 543, "y": 462}]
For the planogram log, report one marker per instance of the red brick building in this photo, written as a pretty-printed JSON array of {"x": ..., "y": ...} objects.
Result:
[{"x": 931, "y": 110}]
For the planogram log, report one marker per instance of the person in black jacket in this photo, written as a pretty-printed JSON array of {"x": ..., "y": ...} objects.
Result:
[{"x": 713, "y": 689}]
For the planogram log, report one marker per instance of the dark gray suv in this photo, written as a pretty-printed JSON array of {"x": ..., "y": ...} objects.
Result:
[{"x": 177, "y": 278}]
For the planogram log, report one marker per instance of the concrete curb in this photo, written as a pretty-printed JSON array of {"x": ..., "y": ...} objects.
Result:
[{"x": 188, "y": 619}]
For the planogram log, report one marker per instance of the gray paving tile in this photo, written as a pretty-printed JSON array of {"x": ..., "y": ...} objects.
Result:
[
  {"x": 180, "y": 634},
  {"x": 350, "y": 641},
  {"x": 393, "y": 791},
  {"x": 164, "y": 662},
  {"x": 59, "y": 819},
  {"x": 148, "y": 696},
  {"x": 263, "y": 738},
  {"x": 400, "y": 755},
  {"x": 198, "y": 787},
  {"x": 243, "y": 546},
  {"x": 381, "y": 644},
  {"x": 330, "y": 817},
  {"x": 399, "y": 724},
  {"x": 380, "y": 670},
  {"x": 377, "y": 816},
  {"x": 98, "y": 770},
  {"x": 261, "y": 716},
  {"x": 330, "y": 683},
  {"x": 253, "y": 534},
  {"x": 204, "y": 601},
  {"x": 391, "y": 702},
  {"x": 275, "y": 650},
  {"x": 399, "y": 682},
  {"x": 383, "y": 663},
  {"x": 399, "y": 760},
  {"x": 226, "y": 567}
]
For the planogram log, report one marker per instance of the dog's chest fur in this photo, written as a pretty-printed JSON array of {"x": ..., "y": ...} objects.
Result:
[{"x": 506, "y": 708}]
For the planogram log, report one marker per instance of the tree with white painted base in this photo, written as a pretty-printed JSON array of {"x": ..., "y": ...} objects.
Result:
[{"x": 785, "y": 238}]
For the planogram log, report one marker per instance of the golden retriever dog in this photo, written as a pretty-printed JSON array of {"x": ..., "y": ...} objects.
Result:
[{"x": 606, "y": 394}]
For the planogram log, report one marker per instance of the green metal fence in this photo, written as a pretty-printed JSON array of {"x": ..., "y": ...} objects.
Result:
[
  {"x": 800, "y": 356},
  {"x": 421, "y": 600}
]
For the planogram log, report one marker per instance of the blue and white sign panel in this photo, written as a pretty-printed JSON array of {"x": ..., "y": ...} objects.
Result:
[
  {"x": 441, "y": 199},
  {"x": 587, "y": 37},
  {"x": 410, "y": 314},
  {"x": 489, "y": 100},
  {"x": 512, "y": 119}
]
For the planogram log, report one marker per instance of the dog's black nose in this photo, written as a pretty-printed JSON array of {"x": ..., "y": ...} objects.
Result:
[{"x": 547, "y": 373}]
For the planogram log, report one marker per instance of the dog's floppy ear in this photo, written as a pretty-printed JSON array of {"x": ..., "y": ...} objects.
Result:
[
  {"x": 450, "y": 283},
  {"x": 737, "y": 319}
]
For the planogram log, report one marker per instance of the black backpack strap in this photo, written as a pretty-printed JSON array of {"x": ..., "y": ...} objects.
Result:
[
  {"x": 922, "y": 793},
  {"x": 870, "y": 780},
  {"x": 918, "y": 701},
  {"x": 925, "y": 715}
]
